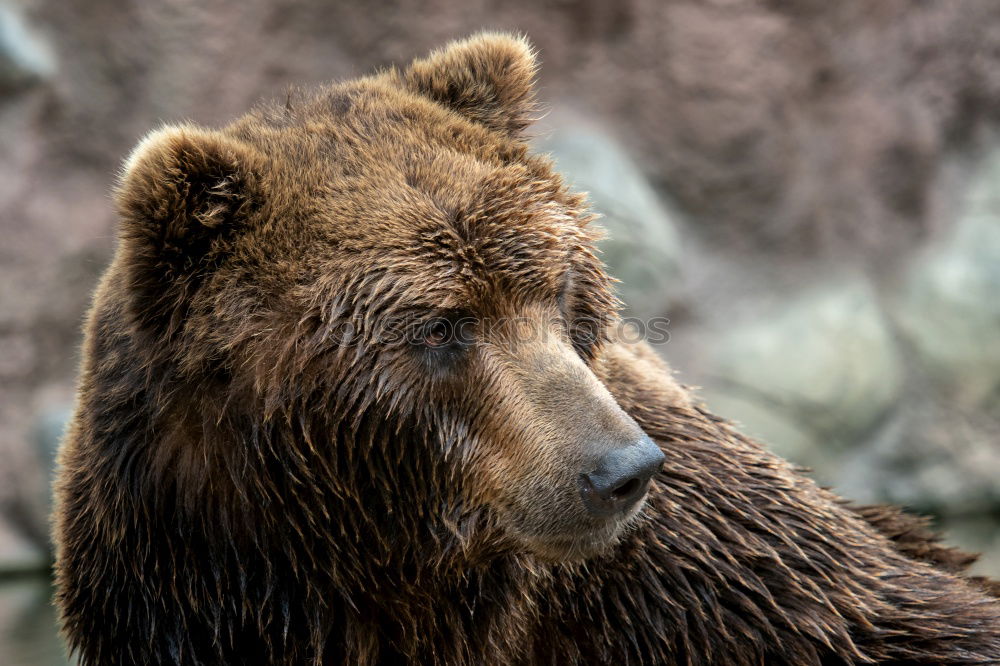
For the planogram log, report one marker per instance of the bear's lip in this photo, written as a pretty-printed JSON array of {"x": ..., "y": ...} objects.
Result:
[
  {"x": 560, "y": 548},
  {"x": 586, "y": 542}
]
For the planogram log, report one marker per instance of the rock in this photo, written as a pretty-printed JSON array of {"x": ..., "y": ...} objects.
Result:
[
  {"x": 24, "y": 56},
  {"x": 18, "y": 555},
  {"x": 949, "y": 305},
  {"x": 932, "y": 459},
  {"x": 979, "y": 535},
  {"x": 769, "y": 425},
  {"x": 643, "y": 247},
  {"x": 826, "y": 361},
  {"x": 28, "y": 627},
  {"x": 49, "y": 429}
]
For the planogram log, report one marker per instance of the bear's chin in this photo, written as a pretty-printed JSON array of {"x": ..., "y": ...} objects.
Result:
[{"x": 587, "y": 543}]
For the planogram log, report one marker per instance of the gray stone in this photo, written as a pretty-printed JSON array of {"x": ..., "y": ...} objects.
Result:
[
  {"x": 931, "y": 459},
  {"x": 949, "y": 304},
  {"x": 28, "y": 627},
  {"x": 826, "y": 360},
  {"x": 49, "y": 429},
  {"x": 977, "y": 534},
  {"x": 643, "y": 247},
  {"x": 25, "y": 57},
  {"x": 767, "y": 424},
  {"x": 18, "y": 554}
]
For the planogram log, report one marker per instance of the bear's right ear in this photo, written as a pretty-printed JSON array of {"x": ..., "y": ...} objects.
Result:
[
  {"x": 489, "y": 78},
  {"x": 183, "y": 195}
]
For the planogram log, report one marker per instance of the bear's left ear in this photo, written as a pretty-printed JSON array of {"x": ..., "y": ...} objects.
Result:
[
  {"x": 488, "y": 78},
  {"x": 183, "y": 197}
]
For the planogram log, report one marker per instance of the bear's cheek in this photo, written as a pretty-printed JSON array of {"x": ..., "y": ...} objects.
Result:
[
  {"x": 547, "y": 433},
  {"x": 527, "y": 473}
]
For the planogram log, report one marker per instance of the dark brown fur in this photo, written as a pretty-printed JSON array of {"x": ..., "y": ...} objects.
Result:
[{"x": 261, "y": 471}]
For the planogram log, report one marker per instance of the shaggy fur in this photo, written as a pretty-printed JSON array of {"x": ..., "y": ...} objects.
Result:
[{"x": 277, "y": 458}]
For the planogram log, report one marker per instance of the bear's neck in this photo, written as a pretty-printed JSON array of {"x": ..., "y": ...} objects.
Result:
[
  {"x": 739, "y": 560},
  {"x": 742, "y": 560}
]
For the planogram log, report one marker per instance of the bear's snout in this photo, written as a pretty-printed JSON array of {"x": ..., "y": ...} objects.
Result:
[{"x": 620, "y": 478}]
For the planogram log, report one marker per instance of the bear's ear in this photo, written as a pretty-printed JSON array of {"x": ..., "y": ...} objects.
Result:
[
  {"x": 183, "y": 195},
  {"x": 488, "y": 78}
]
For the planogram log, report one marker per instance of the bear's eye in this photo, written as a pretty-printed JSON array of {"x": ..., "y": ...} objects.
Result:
[
  {"x": 437, "y": 333},
  {"x": 446, "y": 334}
]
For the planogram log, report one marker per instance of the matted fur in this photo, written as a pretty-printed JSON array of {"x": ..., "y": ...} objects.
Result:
[{"x": 256, "y": 473}]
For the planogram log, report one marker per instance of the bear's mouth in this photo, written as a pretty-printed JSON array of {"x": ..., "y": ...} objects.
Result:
[{"x": 588, "y": 541}]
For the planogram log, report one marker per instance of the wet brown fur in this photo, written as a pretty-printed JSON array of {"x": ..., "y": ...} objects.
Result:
[{"x": 256, "y": 474}]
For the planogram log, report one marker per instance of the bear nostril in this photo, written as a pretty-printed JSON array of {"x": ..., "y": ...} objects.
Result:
[
  {"x": 620, "y": 478},
  {"x": 626, "y": 489}
]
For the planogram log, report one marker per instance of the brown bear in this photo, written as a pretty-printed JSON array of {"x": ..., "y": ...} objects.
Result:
[{"x": 352, "y": 394}]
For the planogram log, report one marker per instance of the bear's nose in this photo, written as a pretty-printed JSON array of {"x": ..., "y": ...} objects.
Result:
[{"x": 621, "y": 477}]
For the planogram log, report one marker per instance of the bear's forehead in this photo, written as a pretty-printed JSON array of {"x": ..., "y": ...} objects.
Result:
[
  {"x": 418, "y": 193},
  {"x": 461, "y": 226}
]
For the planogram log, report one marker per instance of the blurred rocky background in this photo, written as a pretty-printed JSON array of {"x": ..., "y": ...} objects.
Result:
[{"x": 809, "y": 190}]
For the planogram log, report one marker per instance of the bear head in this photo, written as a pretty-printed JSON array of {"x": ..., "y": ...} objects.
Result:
[{"x": 380, "y": 302}]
